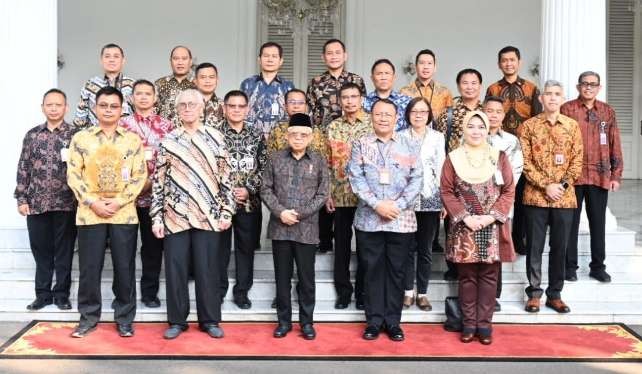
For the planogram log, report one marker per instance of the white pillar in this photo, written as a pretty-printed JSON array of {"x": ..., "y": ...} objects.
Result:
[
  {"x": 29, "y": 42},
  {"x": 574, "y": 41}
]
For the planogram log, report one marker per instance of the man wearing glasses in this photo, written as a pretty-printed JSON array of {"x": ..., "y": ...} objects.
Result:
[
  {"x": 295, "y": 187},
  {"x": 601, "y": 171},
  {"x": 246, "y": 148},
  {"x": 386, "y": 175},
  {"x": 192, "y": 203}
]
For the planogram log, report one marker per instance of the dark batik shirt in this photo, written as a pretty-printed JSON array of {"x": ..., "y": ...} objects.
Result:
[
  {"x": 42, "y": 174},
  {"x": 267, "y": 101},
  {"x": 85, "y": 111},
  {"x": 521, "y": 102},
  {"x": 459, "y": 111},
  {"x": 323, "y": 95},
  {"x": 247, "y": 154},
  {"x": 302, "y": 185},
  {"x": 167, "y": 88},
  {"x": 401, "y": 102},
  {"x": 213, "y": 112}
]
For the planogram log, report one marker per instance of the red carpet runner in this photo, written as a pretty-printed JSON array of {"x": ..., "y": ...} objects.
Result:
[{"x": 339, "y": 341}]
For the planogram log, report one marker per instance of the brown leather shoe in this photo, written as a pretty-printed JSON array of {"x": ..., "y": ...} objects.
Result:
[
  {"x": 407, "y": 301},
  {"x": 532, "y": 305},
  {"x": 424, "y": 304},
  {"x": 558, "y": 305},
  {"x": 467, "y": 337},
  {"x": 485, "y": 340}
]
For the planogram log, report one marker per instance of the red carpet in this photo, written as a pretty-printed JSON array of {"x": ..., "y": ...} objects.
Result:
[{"x": 339, "y": 341}]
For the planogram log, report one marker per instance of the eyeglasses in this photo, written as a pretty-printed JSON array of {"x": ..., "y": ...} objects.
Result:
[
  {"x": 419, "y": 113},
  {"x": 236, "y": 106},
  {"x": 353, "y": 97},
  {"x": 191, "y": 105},
  {"x": 296, "y": 102},
  {"x": 589, "y": 84},
  {"x": 297, "y": 135},
  {"x": 104, "y": 106},
  {"x": 383, "y": 115}
]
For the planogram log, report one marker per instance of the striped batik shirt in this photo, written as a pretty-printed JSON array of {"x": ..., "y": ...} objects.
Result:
[{"x": 192, "y": 188}]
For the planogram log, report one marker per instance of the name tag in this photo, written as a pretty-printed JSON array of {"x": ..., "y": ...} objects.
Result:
[
  {"x": 275, "y": 108},
  {"x": 603, "y": 139},
  {"x": 559, "y": 159},
  {"x": 149, "y": 154},
  {"x": 384, "y": 176},
  {"x": 249, "y": 163},
  {"x": 64, "y": 154},
  {"x": 124, "y": 173}
]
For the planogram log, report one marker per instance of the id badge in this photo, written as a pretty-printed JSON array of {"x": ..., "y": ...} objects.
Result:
[
  {"x": 249, "y": 163},
  {"x": 64, "y": 154},
  {"x": 124, "y": 173},
  {"x": 149, "y": 154},
  {"x": 559, "y": 159},
  {"x": 603, "y": 138},
  {"x": 384, "y": 176},
  {"x": 275, "y": 108},
  {"x": 499, "y": 178}
]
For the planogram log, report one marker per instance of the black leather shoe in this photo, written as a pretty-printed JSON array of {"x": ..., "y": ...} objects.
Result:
[
  {"x": 82, "y": 330},
  {"x": 39, "y": 303},
  {"x": 371, "y": 332},
  {"x": 273, "y": 305},
  {"x": 601, "y": 276},
  {"x": 62, "y": 303},
  {"x": 213, "y": 330},
  {"x": 243, "y": 302},
  {"x": 174, "y": 331},
  {"x": 282, "y": 330},
  {"x": 342, "y": 303},
  {"x": 359, "y": 304},
  {"x": 395, "y": 333},
  {"x": 498, "y": 306},
  {"x": 125, "y": 330},
  {"x": 308, "y": 332},
  {"x": 151, "y": 302},
  {"x": 571, "y": 276}
]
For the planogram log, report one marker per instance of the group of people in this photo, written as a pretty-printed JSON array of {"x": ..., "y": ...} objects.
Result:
[{"x": 190, "y": 172}]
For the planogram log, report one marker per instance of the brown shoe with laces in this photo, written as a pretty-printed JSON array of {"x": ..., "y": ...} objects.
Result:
[
  {"x": 408, "y": 301},
  {"x": 558, "y": 305},
  {"x": 423, "y": 303},
  {"x": 532, "y": 305}
]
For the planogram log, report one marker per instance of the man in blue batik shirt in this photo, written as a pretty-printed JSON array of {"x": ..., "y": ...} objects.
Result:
[
  {"x": 267, "y": 90},
  {"x": 383, "y": 78}
]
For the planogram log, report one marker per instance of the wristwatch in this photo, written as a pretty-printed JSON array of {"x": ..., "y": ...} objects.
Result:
[{"x": 565, "y": 185}]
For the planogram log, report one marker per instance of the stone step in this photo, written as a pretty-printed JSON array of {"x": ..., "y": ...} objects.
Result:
[
  {"x": 616, "y": 262},
  {"x": 581, "y": 312},
  {"x": 18, "y": 285}
]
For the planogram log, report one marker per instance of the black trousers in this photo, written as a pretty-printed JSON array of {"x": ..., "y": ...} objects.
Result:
[
  {"x": 151, "y": 255},
  {"x": 246, "y": 227},
  {"x": 427, "y": 228},
  {"x": 384, "y": 256},
  {"x": 284, "y": 253},
  {"x": 92, "y": 244},
  {"x": 343, "y": 219},
  {"x": 559, "y": 221},
  {"x": 326, "y": 222},
  {"x": 519, "y": 217},
  {"x": 259, "y": 212},
  {"x": 452, "y": 268},
  {"x": 596, "y": 200},
  {"x": 200, "y": 248},
  {"x": 52, "y": 236}
]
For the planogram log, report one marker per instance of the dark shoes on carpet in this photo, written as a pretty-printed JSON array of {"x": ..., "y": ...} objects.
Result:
[
  {"x": 213, "y": 330},
  {"x": 395, "y": 333},
  {"x": 282, "y": 330},
  {"x": 39, "y": 303},
  {"x": 173, "y": 331},
  {"x": 371, "y": 332},
  {"x": 82, "y": 330},
  {"x": 125, "y": 330},
  {"x": 308, "y": 332}
]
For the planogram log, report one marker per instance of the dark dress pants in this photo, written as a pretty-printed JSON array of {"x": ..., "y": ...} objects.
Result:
[
  {"x": 151, "y": 256},
  {"x": 559, "y": 221},
  {"x": 596, "y": 200},
  {"x": 52, "y": 236},
  {"x": 201, "y": 248},
  {"x": 92, "y": 244},
  {"x": 284, "y": 254},
  {"x": 384, "y": 256},
  {"x": 427, "y": 228},
  {"x": 519, "y": 217},
  {"x": 246, "y": 227},
  {"x": 343, "y": 219},
  {"x": 477, "y": 287},
  {"x": 326, "y": 223}
]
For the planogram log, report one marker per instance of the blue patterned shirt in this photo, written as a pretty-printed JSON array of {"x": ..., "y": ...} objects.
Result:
[
  {"x": 369, "y": 160},
  {"x": 267, "y": 102},
  {"x": 400, "y": 100},
  {"x": 85, "y": 115}
]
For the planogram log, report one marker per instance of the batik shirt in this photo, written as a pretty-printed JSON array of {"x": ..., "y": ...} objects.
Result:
[
  {"x": 278, "y": 140},
  {"x": 151, "y": 130},
  {"x": 459, "y": 111},
  {"x": 248, "y": 156},
  {"x": 552, "y": 154},
  {"x": 602, "y": 153},
  {"x": 521, "y": 101},
  {"x": 371, "y": 160},
  {"x": 267, "y": 102},
  {"x": 167, "y": 88},
  {"x": 85, "y": 111},
  {"x": 432, "y": 157},
  {"x": 301, "y": 185},
  {"x": 42, "y": 173},
  {"x": 100, "y": 166},
  {"x": 401, "y": 102},
  {"x": 213, "y": 115},
  {"x": 192, "y": 187},
  {"x": 323, "y": 95},
  {"x": 437, "y": 94},
  {"x": 341, "y": 135}
]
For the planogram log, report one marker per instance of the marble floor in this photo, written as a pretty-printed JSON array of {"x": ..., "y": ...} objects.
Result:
[{"x": 626, "y": 205}]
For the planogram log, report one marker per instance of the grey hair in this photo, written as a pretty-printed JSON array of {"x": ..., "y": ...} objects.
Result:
[
  {"x": 553, "y": 83},
  {"x": 589, "y": 73},
  {"x": 189, "y": 93}
]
